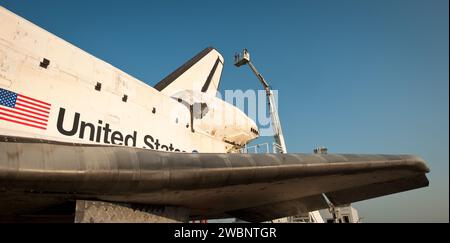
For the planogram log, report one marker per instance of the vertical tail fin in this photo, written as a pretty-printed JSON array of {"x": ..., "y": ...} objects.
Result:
[{"x": 201, "y": 73}]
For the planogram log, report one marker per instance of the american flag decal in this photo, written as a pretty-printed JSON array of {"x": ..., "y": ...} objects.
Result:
[{"x": 23, "y": 110}]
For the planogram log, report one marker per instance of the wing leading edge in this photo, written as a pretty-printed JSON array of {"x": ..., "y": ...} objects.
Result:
[{"x": 253, "y": 187}]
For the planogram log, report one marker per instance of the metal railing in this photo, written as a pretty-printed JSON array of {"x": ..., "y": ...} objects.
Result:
[{"x": 262, "y": 148}]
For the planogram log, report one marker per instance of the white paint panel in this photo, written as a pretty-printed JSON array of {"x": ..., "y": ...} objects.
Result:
[{"x": 69, "y": 83}]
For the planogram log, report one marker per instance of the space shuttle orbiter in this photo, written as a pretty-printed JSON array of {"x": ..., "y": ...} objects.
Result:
[{"x": 74, "y": 129}]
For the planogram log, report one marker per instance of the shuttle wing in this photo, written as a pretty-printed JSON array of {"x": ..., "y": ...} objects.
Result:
[
  {"x": 40, "y": 179},
  {"x": 39, "y": 175}
]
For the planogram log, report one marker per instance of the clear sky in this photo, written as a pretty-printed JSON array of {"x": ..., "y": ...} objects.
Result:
[{"x": 356, "y": 76}]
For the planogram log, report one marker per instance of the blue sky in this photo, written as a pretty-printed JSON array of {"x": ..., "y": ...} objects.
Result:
[{"x": 356, "y": 76}]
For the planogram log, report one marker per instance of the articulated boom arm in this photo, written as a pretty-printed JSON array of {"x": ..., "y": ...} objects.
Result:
[{"x": 278, "y": 136}]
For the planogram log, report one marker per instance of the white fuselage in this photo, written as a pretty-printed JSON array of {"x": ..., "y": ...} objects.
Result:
[{"x": 77, "y": 111}]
